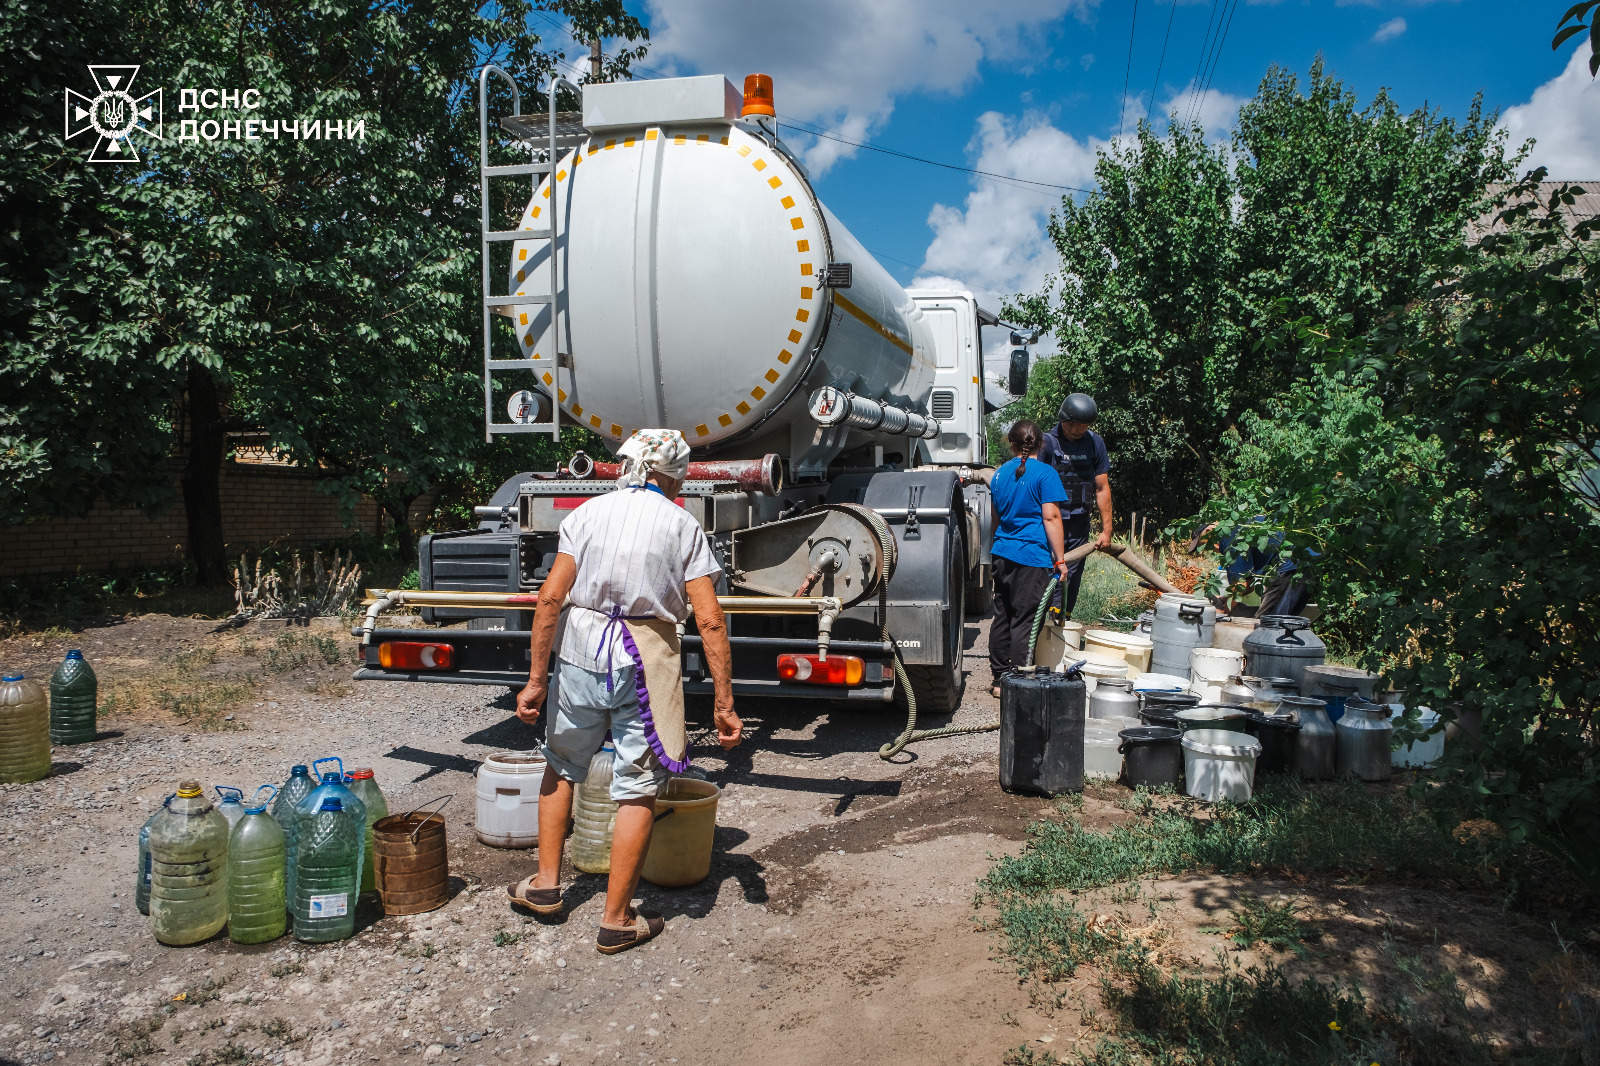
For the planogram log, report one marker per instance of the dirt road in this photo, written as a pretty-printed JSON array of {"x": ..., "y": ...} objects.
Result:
[{"x": 837, "y": 924}]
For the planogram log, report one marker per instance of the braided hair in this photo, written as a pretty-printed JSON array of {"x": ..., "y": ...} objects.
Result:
[{"x": 1025, "y": 440}]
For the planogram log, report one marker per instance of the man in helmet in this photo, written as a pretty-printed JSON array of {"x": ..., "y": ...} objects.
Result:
[{"x": 1079, "y": 456}]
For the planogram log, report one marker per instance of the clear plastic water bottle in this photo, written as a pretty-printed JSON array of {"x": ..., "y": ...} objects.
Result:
[
  {"x": 295, "y": 788},
  {"x": 188, "y": 869},
  {"x": 141, "y": 892},
  {"x": 256, "y": 899},
  {"x": 594, "y": 815},
  {"x": 333, "y": 786},
  {"x": 74, "y": 692},
  {"x": 230, "y": 804},
  {"x": 24, "y": 730},
  {"x": 365, "y": 786},
  {"x": 327, "y": 875}
]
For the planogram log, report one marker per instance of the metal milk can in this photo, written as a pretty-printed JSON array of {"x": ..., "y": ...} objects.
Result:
[
  {"x": 1113, "y": 698},
  {"x": 1315, "y": 747},
  {"x": 1364, "y": 733}
]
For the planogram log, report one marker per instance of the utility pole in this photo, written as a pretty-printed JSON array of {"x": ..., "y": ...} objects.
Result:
[{"x": 594, "y": 59}]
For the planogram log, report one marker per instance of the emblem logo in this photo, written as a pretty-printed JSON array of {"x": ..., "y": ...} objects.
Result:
[{"x": 114, "y": 114}]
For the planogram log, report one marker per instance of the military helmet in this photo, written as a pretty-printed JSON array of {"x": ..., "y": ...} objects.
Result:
[{"x": 1079, "y": 407}]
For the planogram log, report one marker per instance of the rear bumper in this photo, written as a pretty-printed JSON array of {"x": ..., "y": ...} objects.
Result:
[{"x": 501, "y": 658}]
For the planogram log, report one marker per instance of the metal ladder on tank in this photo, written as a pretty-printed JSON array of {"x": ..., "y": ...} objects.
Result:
[{"x": 559, "y": 136}]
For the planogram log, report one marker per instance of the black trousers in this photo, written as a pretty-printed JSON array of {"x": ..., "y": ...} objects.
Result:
[
  {"x": 1075, "y": 530},
  {"x": 1017, "y": 592}
]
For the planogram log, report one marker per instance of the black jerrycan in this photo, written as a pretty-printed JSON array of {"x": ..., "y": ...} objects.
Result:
[{"x": 1041, "y": 731}]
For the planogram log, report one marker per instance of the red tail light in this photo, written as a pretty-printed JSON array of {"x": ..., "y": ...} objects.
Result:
[
  {"x": 815, "y": 670},
  {"x": 414, "y": 655}
]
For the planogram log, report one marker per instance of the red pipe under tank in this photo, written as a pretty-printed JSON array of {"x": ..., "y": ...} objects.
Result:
[{"x": 753, "y": 475}]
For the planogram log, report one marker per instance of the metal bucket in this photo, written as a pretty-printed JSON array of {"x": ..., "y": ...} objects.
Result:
[{"x": 412, "y": 867}]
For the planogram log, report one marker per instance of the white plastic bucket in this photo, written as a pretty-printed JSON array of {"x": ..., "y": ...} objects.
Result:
[
  {"x": 1093, "y": 671},
  {"x": 1134, "y": 648},
  {"x": 508, "y": 799},
  {"x": 1219, "y": 764},
  {"x": 1423, "y": 752},
  {"x": 1160, "y": 683},
  {"x": 1209, "y": 670},
  {"x": 1058, "y": 646}
]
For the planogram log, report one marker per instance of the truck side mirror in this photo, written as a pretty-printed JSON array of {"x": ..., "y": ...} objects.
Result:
[{"x": 1017, "y": 380}]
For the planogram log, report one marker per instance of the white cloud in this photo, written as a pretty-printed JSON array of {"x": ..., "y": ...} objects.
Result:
[
  {"x": 1390, "y": 30},
  {"x": 1564, "y": 117},
  {"x": 842, "y": 63}
]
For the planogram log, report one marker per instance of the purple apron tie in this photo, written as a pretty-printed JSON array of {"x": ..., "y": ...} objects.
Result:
[{"x": 618, "y": 620}]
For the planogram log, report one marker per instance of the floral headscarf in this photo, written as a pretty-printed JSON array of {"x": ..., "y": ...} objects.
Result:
[{"x": 661, "y": 450}]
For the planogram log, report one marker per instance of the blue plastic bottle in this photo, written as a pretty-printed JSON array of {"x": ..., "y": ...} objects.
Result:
[
  {"x": 329, "y": 876},
  {"x": 296, "y": 788},
  {"x": 333, "y": 787},
  {"x": 141, "y": 892}
]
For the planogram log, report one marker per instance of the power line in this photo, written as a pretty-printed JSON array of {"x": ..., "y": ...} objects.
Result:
[
  {"x": 1200, "y": 65},
  {"x": 931, "y": 162},
  {"x": 1222, "y": 40},
  {"x": 1172, "y": 11},
  {"x": 1123, "y": 110}
]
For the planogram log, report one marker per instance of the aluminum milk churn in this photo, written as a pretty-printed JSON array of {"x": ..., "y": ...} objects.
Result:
[
  {"x": 1113, "y": 698},
  {"x": 1316, "y": 746},
  {"x": 1364, "y": 734}
]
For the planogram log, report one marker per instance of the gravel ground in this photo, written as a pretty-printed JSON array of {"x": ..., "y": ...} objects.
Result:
[{"x": 837, "y": 921}]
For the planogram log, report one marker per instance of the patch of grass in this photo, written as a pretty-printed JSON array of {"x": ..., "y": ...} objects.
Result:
[
  {"x": 277, "y": 1029},
  {"x": 229, "y": 1053},
  {"x": 1275, "y": 924},
  {"x": 205, "y": 992},
  {"x": 1108, "y": 589},
  {"x": 135, "y": 1041},
  {"x": 285, "y": 969},
  {"x": 505, "y": 937},
  {"x": 1025, "y": 1055},
  {"x": 205, "y": 703}
]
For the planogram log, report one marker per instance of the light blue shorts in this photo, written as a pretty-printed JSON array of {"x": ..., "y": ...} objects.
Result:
[{"x": 585, "y": 709}]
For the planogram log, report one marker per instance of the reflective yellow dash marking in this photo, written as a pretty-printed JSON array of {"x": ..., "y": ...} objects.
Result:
[
  {"x": 802, "y": 246},
  {"x": 561, "y": 394},
  {"x": 522, "y": 320},
  {"x": 611, "y": 144},
  {"x": 805, "y": 292},
  {"x": 577, "y": 408},
  {"x": 788, "y": 202},
  {"x": 561, "y": 175},
  {"x": 774, "y": 181},
  {"x": 521, "y": 276},
  {"x": 760, "y": 164},
  {"x": 743, "y": 408},
  {"x": 576, "y": 160},
  {"x": 724, "y": 421},
  {"x": 724, "y": 140},
  {"x": 548, "y": 380},
  {"x": 535, "y": 213},
  {"x": 678, "y": 139},
  {"x": 616, "y": 430},
  {"x": 703, "y": 138},
  {"x": 772, "y": 376},
  {"x": 758, "y": 392},
  {"x": 794, "y": 336},
  {"x": 627, "y": 142},
  {"x": 802, "y": 314},
  {"x": 975, "y": 381},
  {"x": 784, "y": 356},
  {"x": 528, "y": 340},
  {"x": 651, "y": 135},
  {"x": 744, "y": 149},
  {"x": 594, "y": 420},
  {"x": 546, "y": 193},
  {"x": 522, "y": 256},
  {"x": 701, "y": 430},
  {"x": 798, "y": 223},
  {"x": 871, "y": 323},
  {"x": 805, "y": 268}
]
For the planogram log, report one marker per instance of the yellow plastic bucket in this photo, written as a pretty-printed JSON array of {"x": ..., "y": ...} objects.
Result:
[{"x": 686, "y": 825}]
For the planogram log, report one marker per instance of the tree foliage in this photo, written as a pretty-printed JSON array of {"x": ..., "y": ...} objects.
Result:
[{"x": 1171, "y": 269}]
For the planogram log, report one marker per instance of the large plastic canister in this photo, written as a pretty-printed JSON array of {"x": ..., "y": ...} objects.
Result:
[
  {"x": 1182, "y": 624},
  {"x": 296, "y": 787},
  {"x": 1283, "y": 646},
  {"x": 685, "y": 829},
  {"x": 256, "y": 897},
  {"x": 230, "y": 804},
  {"x": 1229, "y": 633},
  {"x": 349, "y": 803},
  {"x": 508, "y": 799},
  {"x": 74, "y": 692},
  {"x": 365, "y": 786},
  {"x": 732, "y": 232},
  {"x": 188, "y": 869},
  {"x": 1041, "y": 732},
  {"x": 328, "y": 873},
  {"x": 594, "y": 815},
  {"x": 24, "y": 730},
  {"x": 141, "y": 888}
]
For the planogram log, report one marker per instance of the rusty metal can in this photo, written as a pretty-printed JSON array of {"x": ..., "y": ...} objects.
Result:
[{"x": 411, "y": 861}]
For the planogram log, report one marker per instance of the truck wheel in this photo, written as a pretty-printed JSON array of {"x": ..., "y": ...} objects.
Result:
[
  {"x": 938, "y": 685},
  {"x": 980, "y": 595}
]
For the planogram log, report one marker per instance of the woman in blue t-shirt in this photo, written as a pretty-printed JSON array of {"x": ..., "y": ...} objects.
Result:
[{"x": 1027, "y": 546}]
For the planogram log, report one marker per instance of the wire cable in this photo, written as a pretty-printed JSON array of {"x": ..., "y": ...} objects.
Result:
[
  {"x": 1171, "y": 12},
  {"x": 1200, "y": 65},
  {"x": 930, "y": 162},
  {"x": 1215, "y": 59},
  {"x": 1123, "y": 110}
]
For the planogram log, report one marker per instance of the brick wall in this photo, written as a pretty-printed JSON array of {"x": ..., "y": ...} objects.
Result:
[{"x": 261, "y": 505}]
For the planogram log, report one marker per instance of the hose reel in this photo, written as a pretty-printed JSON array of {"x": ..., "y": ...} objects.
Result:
[{"x": 843, "y": 550}]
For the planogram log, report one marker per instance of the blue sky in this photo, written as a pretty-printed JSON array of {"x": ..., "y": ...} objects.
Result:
[{"x": 1030, "y": 87}]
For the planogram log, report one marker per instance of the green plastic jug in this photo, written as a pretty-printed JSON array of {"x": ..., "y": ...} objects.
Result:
[
  {"x": 333, "y": 785},
  {"x": 24, "y": 730},
  {"x": 296, "y": 788},
  {"x": 327, "y": 875},
  {"x": 594, "y": 815},
  {"x": 141, "y": 891},
  {"x": 256, "y": 911},
  {"x": 74, "y": 693},
  {"x": 361, "y": 782},
  {"x": 188, "y": 869}
]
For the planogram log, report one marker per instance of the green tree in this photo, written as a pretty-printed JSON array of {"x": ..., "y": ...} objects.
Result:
[{"x": 1171, "y": 268}]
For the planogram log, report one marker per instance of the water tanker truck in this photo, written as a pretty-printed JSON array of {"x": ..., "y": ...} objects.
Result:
[{"x": 673, "y": 267}]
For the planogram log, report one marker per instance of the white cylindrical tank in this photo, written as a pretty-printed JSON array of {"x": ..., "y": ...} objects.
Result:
[{"x": 690, "y": 255}]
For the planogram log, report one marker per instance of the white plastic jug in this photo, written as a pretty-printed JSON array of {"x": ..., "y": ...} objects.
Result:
[{"x": 508, "y": 799}]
